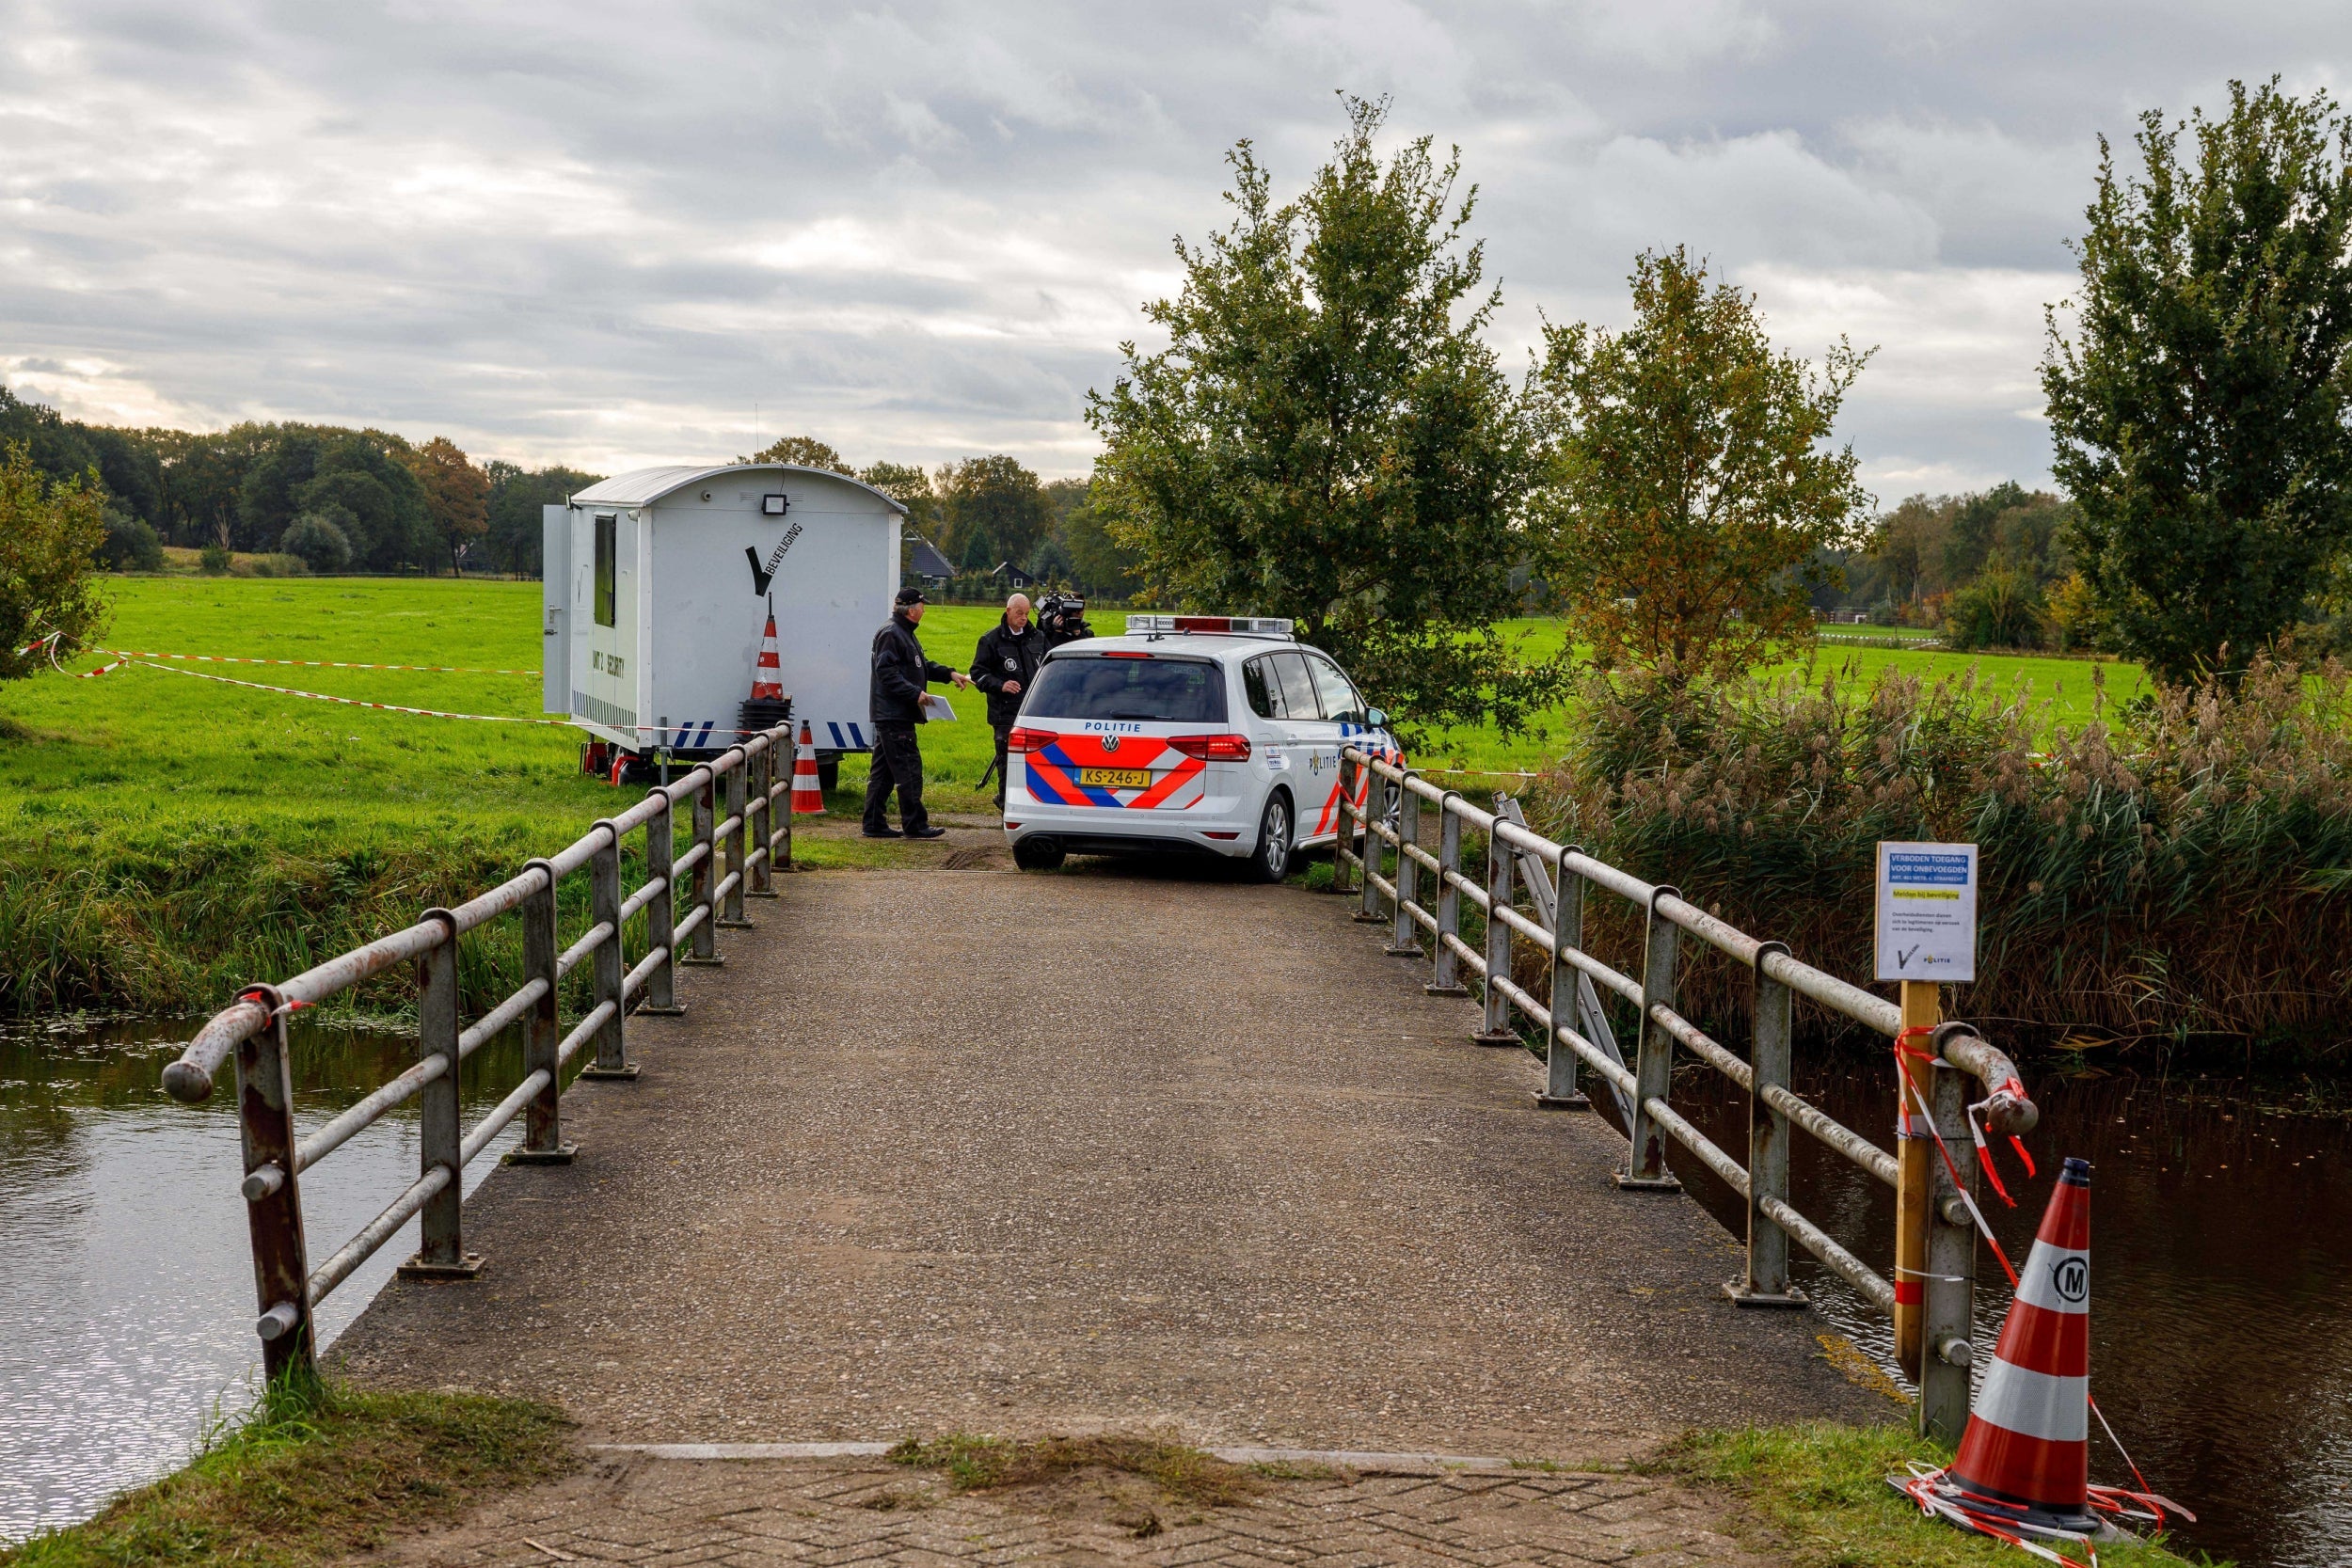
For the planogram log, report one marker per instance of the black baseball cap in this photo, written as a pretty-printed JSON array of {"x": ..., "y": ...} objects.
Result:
[{"x": 910, "y": 595}]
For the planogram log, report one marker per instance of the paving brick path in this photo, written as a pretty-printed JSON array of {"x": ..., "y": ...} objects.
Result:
[
  {"x": 968, "y": 1149},
  {"x": 655, "y": 1514}
]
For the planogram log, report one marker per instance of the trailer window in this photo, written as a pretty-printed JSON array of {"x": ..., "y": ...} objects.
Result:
[
  {"x": 1148, "y": 690},
  {"x": 608, "y": 546}
]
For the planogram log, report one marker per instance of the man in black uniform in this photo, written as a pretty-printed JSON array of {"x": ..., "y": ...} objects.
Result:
[
  {"x": 895, "y": 703},
  {"x": 1003, "y": 666}
]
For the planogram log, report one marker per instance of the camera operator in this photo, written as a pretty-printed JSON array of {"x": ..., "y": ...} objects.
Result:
[
  {"x": 1003, "y": 666},
  {"x": 1063, "y": 617}
]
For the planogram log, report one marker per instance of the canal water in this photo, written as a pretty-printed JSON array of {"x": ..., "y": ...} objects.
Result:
[
  {"x": 126, "y": 1296},
  {"x": 2221, "y": 1324},
  {"x": 2221, "y": 1272}
]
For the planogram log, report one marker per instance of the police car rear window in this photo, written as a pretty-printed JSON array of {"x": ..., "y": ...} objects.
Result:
[{"x": 1146, "y": 690}]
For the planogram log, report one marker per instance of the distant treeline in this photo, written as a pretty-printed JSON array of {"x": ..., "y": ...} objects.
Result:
[
  {"x": 370, "y": 500},
  {"x": 341, "y": 500},
  {"x": 1988, "y": 568}
]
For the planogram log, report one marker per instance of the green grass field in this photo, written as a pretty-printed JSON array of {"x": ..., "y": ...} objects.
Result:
[
  {"x": 170, "y": 836},
  {"x": 2065, "y": 682}
]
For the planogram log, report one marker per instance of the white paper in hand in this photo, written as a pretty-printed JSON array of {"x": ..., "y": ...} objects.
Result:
[{"x": 936, "y": 710}]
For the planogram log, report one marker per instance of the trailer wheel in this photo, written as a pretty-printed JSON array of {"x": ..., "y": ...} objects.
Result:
[{"x": 829, "y": 774}]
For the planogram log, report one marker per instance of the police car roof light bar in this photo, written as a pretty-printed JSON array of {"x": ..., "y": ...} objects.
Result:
[{"x": 1230, "y": 625}]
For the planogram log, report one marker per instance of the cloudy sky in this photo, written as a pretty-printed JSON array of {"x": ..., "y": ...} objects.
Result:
[{"x": 613, "y": 234}]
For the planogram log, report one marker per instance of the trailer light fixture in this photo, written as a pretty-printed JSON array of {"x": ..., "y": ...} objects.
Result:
[{"x": 772, "y": 506}]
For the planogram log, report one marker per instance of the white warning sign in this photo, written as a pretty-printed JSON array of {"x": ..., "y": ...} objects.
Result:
[{"x": 1926, "y": 912}]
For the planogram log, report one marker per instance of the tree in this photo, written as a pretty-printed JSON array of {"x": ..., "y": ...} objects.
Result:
[
  {"x": 1972, "y": 539},
  {"x": 1690, "y": 483},
  {"x": 2199, "y": 410},
  {"x": 1098, "y": 564},
  {"x": 456, "y": 496},
  {"x": 806, "y": 451},
  {"x": 51, "y": 531},
  {"x": 1327, "y": 438},
  {"x": 517, "y": 533},
  {"x": 996, "y": 497}
]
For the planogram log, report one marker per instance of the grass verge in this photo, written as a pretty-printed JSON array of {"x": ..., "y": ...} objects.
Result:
[
  {"x": 973, "y": 1464},
  {"x": 1821, "y": 1491},
  {"x": 317, "y": 1475}
]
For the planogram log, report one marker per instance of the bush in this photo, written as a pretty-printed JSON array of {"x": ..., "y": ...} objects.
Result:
[
  {"x": 131, "y": 545},
  {"x": 277, "y": 564},
  {"x": 214, "y": 559},
  {"x": 319, "y": 540},
  {"x": 2182, "y": 868},
  {"x": 2002, "y": 608}
]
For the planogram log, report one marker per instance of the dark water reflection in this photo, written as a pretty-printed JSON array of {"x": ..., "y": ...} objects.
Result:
[
  {"x": 127, "y": 1299},
  {"x": 2221, "y": 1270}
]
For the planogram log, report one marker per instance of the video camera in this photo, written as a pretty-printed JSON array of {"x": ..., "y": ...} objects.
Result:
[{"x": 1063, "y": 616}]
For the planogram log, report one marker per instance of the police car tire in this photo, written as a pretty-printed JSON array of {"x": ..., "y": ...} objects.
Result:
[
  {"x": 1274, "y": 836},
  {"x": 1037, "y": 854},
  {"x": 829, "y": 774}
]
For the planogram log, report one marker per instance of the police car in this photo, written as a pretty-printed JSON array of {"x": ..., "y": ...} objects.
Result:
[{"x": 1191, "y": 733}]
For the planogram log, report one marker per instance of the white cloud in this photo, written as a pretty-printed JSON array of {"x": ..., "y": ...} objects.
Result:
[{"x": 593, "y": 233}]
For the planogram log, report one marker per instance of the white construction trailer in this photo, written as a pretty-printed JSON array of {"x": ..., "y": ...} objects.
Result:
[{"x": 657, "y": 590}]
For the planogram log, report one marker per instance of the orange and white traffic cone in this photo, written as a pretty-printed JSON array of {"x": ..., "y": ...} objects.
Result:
[
  {"x": 768, "y": 678},
  {"x": 2024, "y": 1465},
  {"x": 808, "y": 795},
  {"x": 2027, "y": 1451}
]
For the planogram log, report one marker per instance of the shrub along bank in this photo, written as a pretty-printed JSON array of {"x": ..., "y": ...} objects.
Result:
[{"x": 2179, "y": 867}]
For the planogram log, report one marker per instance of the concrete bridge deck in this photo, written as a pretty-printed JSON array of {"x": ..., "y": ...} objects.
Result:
[{"x": 971, "y": 1151}]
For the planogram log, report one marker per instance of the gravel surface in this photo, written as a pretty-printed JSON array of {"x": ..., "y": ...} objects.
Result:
[{"x": 1143, "y": 1151}]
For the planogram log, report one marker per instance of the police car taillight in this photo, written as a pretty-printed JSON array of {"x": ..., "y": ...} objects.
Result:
[
  {"x": 1213, "y": 748},
  {"x": 1247, "y": 625},
  {"x": 1029, "y": 740}
]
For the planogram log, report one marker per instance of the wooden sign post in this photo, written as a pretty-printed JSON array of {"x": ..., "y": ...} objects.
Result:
[{"x": 1927, "y": 935}]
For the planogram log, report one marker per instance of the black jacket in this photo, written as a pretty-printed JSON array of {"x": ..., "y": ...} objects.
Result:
[
  {"x": 900, "y": 672},
  {"x": 1005, "y": 655}
]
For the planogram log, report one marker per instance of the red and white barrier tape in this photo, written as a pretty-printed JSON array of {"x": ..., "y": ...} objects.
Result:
[
  {"x": 317, "y": 663},
  {"x": 137, "y": 662},
  {"x": 347, "y": 702}
]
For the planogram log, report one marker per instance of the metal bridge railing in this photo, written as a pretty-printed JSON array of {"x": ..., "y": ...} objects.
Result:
[
  {"x": 727, "y": 861},
  {"x": 1382, "y": 830}
]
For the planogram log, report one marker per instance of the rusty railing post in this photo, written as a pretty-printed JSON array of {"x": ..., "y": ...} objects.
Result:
[
  {"x": 780, "y": 837},
  {"x": 606, "y": 965},
  {"x": 281, "y": 1261},
  {"x": 706, "y": 939},
  {"x": 1765, "y": 1283},
  {"x": 1654, "y": 1063},
  {"x": 1447, "y": 978},
  {"x": 737, "y": 852},
  {"x": 543, "y": 1033},
  {"x": 440, "y": 1135},
  {"x": 1500, "y": 865},
  {"x": 1560, "y": 1092},
  {"x": 1405, "y": 934},
  {"x": 662, "y": 913},
  {"x": 1948, "y": 1292},
  {"x": 762, "y": 823}
]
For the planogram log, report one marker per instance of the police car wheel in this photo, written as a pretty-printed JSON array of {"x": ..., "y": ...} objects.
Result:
[
  {"x": 1271, "y": 860},
  {"x": 1037, "y": 854},
  {"x": 829, "y": 774}
]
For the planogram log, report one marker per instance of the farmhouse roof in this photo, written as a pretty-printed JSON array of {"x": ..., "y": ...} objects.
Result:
[{"x": 643, "y": 486}]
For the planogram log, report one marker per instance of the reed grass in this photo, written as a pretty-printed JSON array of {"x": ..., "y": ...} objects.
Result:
[{"x": 2176, "y": 869}]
